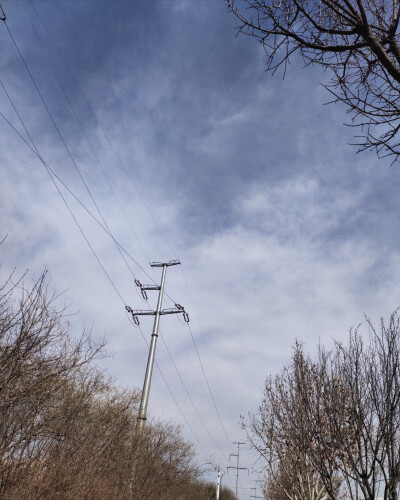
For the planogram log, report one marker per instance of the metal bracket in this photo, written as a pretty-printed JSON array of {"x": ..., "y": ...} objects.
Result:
[
  {"x": 150, "y": 287},
  {"x": 166, "y": 264},
  {"x": 135, "y": 313},
  {"x": 179, "y": 309}
]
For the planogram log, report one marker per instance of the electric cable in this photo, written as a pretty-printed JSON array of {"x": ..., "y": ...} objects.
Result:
[
  {"x": 103, "y": 130},
  {"x": 206, "y": 344},
  {"x": 141, "y": 197},
  {"x": 54, "y": 174},
  {"x": 63, "y": 141},
  {"x": 188, "y": 395},
  {"x": 108, "y": 231},
  {"x": 209, "y": 388},
  {"x": 63, "y": 198},
  {"x": 113, "y": 284},
  {"x": 169, "y": 388},
  {"x": 91, "y": 248},
  {"x": 75, "y": 114}
]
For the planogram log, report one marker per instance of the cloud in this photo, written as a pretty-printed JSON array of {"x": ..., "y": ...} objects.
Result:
[{"x": 283, "y": 232}]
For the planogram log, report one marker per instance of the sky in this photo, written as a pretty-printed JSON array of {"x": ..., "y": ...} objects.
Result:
[{"x": 191, "y": 151}]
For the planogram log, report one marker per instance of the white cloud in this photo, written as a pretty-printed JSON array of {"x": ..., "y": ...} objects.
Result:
[{"x": 282, "y": 232}]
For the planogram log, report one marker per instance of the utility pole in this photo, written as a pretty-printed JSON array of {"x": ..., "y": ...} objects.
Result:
[
  {"x": 157, "y": 313},
  {"x": 237, "y": 464},
  {"x": 218, "y": 490}
]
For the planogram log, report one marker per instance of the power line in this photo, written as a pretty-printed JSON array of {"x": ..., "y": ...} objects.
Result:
[
  {"x": 206, "y": 344},
  {"x": 103, "y": 130},
  {"x": 63, "y": 198},
  {"x": 33, "y": 149},
  {"x": 146, "y": 206},
  {"x": 64, "y": 142},
  {"x": 51, "y": 174},
  {"x": 209, "y": 388},
  {"x": 190, "y": 398},
  {"x": 96, "y": 157},
  {"x": 169, "y": 388},
  {"x": 98, "y": 209}
]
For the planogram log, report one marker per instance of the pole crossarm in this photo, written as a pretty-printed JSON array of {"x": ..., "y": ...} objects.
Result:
[
  {"x": 144, "y": 312},
  {"x": 149, "y": 287},
  {"x": 141, "y": 312},
  {"x": 173, "y": 310},
  {"x": 165, "y": 264}
]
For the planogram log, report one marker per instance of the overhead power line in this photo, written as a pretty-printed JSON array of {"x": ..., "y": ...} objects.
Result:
[
  {"x": 54, "y": 176},
  {"x": 105, "y": 227},
  {"x": 65, "y": 144},
  {"x": 144, "y": 202},
  {"x": 81, "y": 127},
  {"x": 149, "y": 211}
]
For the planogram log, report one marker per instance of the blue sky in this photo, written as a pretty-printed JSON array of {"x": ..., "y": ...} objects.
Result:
[{"x": 283, "y": 231}]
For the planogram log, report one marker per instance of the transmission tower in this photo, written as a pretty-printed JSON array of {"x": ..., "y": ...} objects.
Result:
[
  {"x": 237, "y": 464},
  {"x": 178, "y": 309}
]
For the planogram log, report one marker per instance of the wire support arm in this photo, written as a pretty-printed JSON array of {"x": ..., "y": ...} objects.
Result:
[
  {"x": 174, "y": 310},
  {"x": 165, "y": 264},
  {"x": 149, "y": 287}
]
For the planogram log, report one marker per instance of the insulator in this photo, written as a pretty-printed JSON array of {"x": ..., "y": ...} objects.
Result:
[
  {"x": 128, "y": 309},
  {"x": 135, "y": 319},
  {"x": 144, "y": 294},
  {"x": 178, "y": 306},
  {"x": 186, "y": 316},
  {"x": 137, "y": 283}
]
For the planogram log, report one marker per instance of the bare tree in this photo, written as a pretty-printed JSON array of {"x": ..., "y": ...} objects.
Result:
[
  {"x": 357, "y": 40},
  {"x": 294, "y": 480},
  {"x": 370, "y": 372},
  {"x": 66, "y": 432},
  {"x": 287, "y": 430},
  {"x": 335, "y": 420},
  {"x": 37, "y": 357}
]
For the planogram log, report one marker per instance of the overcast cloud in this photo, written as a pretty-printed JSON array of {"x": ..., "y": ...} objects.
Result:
[{"x": 283, "y": 231}]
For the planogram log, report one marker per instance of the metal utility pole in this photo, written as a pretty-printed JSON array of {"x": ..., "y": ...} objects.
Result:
[
  {"x": 157, "y": 313},
  {"x": 237, "y": 464},
  {"x": 219, "y": 477}
]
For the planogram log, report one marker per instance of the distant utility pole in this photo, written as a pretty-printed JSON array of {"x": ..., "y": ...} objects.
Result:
[
  {"x": 237, "y": 464},
  {"x": 218, "y": 490},
  {"x": 157, "y": 313}
]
